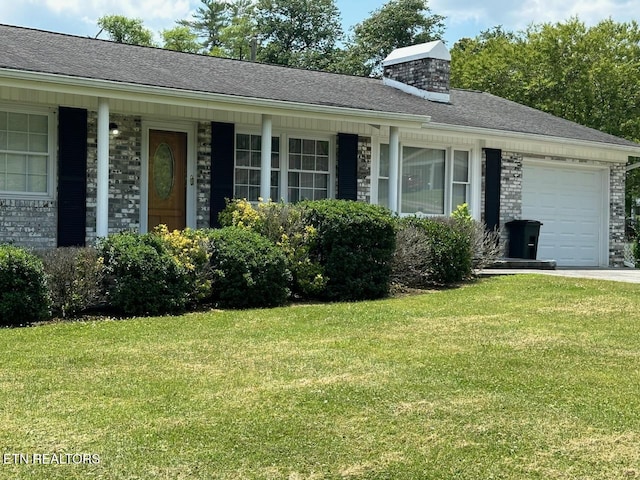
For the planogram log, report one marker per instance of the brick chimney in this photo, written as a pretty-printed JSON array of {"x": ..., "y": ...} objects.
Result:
[{"x": 421, "y": 70}]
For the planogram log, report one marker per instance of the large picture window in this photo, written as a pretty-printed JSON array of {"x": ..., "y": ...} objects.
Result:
[
  {"x": 24, "y": 153},
  {"x": 433, "y": 181},
  {"x": 423, "y": 180},
  {"x": 247, "y": 169},
  {"x": 308, "y": 174}
]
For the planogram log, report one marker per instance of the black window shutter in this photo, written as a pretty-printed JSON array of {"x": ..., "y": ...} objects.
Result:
[
  {"x": 72, "y": 177},
  {"x": 493, "y": 174},
  {"x": 222, "y": 162},
  {"x": 347, "y": 166}
]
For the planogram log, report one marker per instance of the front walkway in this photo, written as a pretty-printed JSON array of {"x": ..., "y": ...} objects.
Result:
[{"x": 629, "y": 275}]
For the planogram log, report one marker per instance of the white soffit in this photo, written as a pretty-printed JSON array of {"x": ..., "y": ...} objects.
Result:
[{"x": 436, "y": 49}]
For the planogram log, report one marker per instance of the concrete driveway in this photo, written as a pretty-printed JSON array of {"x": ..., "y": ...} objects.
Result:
[{"x": 628, "y": 275}]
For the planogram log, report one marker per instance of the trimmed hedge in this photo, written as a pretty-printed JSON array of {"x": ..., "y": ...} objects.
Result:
[
  {"x": 23, "y": 290},
  {"x": 355, "y": 243},
  {"x": 284, "y": 225},
  {"x": 247, "y": 269},
  {"x": 142, "y": 277},
  {"x": 334, "y": 250}
]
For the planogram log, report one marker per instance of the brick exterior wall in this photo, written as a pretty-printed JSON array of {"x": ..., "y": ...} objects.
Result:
[
  {"x": 125, "y": 152},
  {"x": 510, "y": 192},
  {"x": 617, "y": 179},
  {"x": 203, "y": 175},
  {"x": 429, "y": 74},
  {"x": 29, "y": 223},
  {"x": 364, "y": 169}
]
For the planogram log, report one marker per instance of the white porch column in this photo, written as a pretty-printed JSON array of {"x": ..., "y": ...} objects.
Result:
[
  {"x": 102, "y": 190},
  {"x": 394, "y": 168},
  {"x": 476, "y": 181},
  {"x": 265, "y": 164}
]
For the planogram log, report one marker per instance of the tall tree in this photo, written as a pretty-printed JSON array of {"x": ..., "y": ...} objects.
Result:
[
  {"x": 491, "y": 62},
  {"x": 208, "y": 21},
  {"x": 126, "y": 30},
  {"x": 299, "y": 33},
  {"x": 587, "y": 75},
  {"x": 398, "y": 23},
  {"x": 236, "y": 36},
  {"x": 181, "y": 39}
]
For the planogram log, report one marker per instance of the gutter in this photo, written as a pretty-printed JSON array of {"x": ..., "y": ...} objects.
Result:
[
  {"x": 67, "y": 84},
  {"x": 484, "y": 132}
]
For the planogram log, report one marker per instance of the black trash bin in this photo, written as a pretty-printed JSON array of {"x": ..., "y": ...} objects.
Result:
[{"x": 523, "y": 238}]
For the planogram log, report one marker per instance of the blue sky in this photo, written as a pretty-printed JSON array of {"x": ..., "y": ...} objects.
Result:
[{"x": 465, "y": 18}]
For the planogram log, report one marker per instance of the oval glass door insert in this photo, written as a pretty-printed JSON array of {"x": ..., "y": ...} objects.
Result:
[{"x": 163, "y": 171}]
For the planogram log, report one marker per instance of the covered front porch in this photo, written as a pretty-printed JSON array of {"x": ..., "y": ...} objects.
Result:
[{"x": 228, "y": 147}]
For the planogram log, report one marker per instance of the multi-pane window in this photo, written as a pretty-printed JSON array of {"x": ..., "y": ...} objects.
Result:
[
  {"x": 24, "y": 153},
  {"x": 460, "y": 188},
  {"x": 423, "y": 180},
  {"x": 308, "y": 174},
  {"x": 247, "y": 170}
]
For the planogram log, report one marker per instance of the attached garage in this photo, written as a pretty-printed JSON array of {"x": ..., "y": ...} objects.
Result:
[{"x": 571, "y": 202}]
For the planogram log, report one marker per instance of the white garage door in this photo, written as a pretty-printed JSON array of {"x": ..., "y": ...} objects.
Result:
[{"x": 569, "y": 203}]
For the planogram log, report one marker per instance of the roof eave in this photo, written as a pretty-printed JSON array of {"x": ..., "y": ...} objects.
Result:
[
  {"x": 489, "y": 133},
  {"x": 156, "y": 94}
]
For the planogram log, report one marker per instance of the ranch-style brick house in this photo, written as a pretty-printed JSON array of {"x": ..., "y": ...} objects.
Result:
[{"x": 98, "y": 137}]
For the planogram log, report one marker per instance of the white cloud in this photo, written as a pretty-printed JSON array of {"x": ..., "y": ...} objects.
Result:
[
  {"x": 464, "y": 17},
  {"x": 79, "y": 17},
  {"x": 145, "y": 9},
  {"x": 467, "y": 18}
]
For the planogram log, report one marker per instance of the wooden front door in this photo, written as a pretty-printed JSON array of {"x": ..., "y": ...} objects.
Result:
[{"x": 167, "y": 179}]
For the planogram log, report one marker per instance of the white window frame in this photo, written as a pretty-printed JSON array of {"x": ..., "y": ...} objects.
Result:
[
  {"x": 448, "y": 173},
  {"x": 284, "y": 137},
  {"x": 256, "y": 132},
  {"x": 52, "y": 127},
  {"x": 452, "y": 182},
  {"x": 376, "y": 150},
  {"x": 331, "y": 140}
]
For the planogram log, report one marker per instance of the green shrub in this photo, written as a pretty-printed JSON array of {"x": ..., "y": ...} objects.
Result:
[
  {"x": 485, "y": 244},
  {"x": 247, "y": 269},
  {"x": 431, "y": 251},
  {"x": 142, "y": 277},
  {"x": 190, "y": 249},
  {"x": 74, "y": 279},
  {"x": 355, "y": 243},
  {"x": 239, "y": 212},
  {"x": 23, "y": 290},
  {"x": 284, "y": 225}
]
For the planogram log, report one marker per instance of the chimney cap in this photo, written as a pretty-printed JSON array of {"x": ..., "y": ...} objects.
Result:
[{"x": 436, "y": 49}]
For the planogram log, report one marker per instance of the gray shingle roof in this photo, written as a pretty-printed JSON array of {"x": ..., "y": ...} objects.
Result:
[{"x": 53, "y": 53}]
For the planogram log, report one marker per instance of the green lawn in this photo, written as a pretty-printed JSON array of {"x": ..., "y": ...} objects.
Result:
[{"x": 510, "y": 377}]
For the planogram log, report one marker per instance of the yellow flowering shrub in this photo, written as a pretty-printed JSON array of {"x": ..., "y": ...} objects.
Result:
[
  {"x": 240, "y": 213},
  {"x": 189, "y": 249}
]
